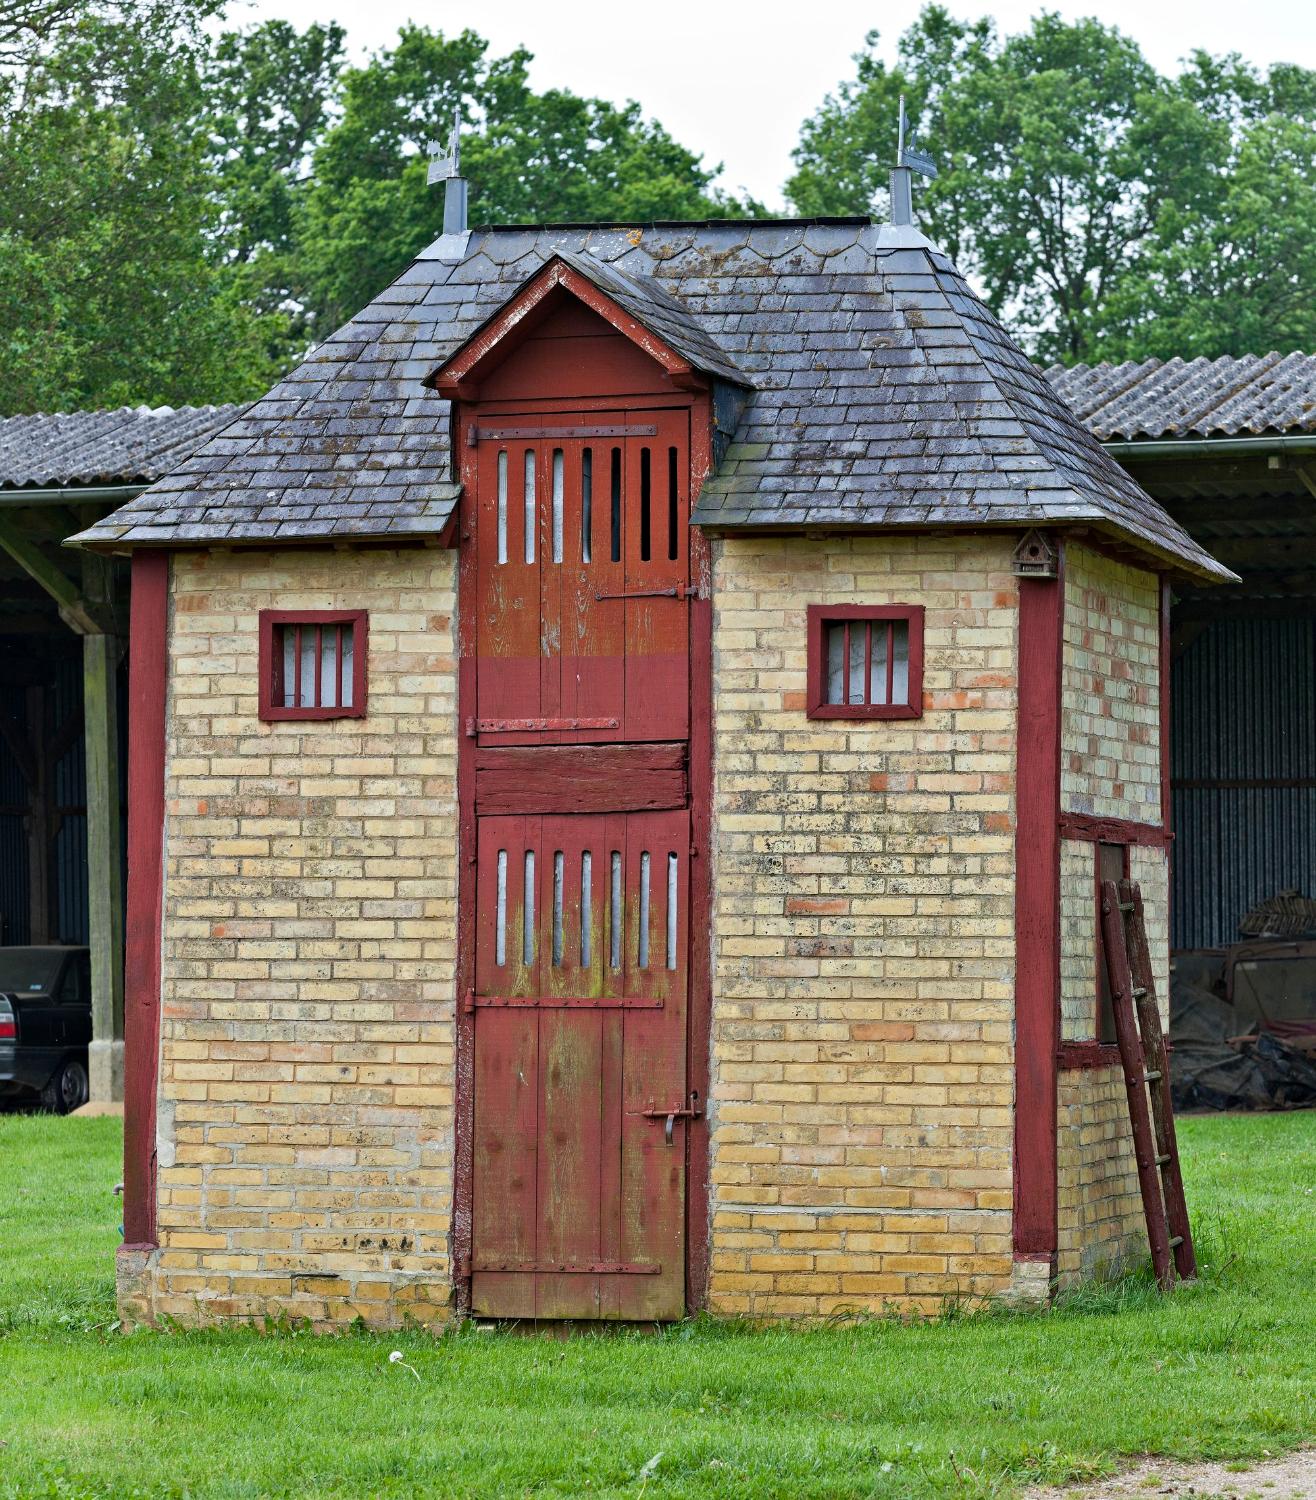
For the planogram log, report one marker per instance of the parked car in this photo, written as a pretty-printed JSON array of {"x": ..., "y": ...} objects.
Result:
[{"x": 45, "y": 1025}]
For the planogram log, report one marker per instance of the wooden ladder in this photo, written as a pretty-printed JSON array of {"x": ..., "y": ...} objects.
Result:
[{"x": 1146, "y": 1071}]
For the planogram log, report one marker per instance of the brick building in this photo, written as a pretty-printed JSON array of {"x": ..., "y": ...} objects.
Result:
[{"x": 624, "y": 738}]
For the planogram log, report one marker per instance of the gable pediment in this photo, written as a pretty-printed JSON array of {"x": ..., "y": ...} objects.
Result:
[{"x": 571, "y": 298}]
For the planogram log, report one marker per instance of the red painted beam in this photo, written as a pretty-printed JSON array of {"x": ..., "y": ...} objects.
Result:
[
  {"x": 1037, "y": 916},
  {"x": 147, "y": 683}
]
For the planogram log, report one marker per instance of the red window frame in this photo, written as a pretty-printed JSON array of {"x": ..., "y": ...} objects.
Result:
[
  {"x": 823, "y": 615},
  {"x": 270, "y": 663}
]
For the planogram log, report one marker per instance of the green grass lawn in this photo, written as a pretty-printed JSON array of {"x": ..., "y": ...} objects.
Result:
[{"x": 968, "y": 1406}]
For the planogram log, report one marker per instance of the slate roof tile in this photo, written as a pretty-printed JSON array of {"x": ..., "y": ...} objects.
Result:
[{"x": 882, "y": 392}]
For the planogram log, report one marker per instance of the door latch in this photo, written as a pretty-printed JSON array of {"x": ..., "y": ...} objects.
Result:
[{"x": 690, "y": 1111}]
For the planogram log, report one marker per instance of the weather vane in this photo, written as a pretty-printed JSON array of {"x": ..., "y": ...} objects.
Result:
[
  {"x": 448, "y": 170},
  {"x": 909, "y": 154},
  {"x": 442, "y": 168}
]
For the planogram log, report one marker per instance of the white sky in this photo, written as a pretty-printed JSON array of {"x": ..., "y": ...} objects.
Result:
[{"x": 734, "y": 80}]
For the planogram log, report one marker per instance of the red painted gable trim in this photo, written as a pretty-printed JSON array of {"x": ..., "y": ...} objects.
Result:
[
  {"x": 459, "y": 376},
  {"x": 147, "y": 684},
  {"x": 1037, "y": 915}
]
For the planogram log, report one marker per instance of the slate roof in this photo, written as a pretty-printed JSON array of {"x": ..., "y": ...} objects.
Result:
[
  {"x": 884, "y": 394},
  {"x": 1198, "y": 398},
  {"x": 134, "y": 444}
]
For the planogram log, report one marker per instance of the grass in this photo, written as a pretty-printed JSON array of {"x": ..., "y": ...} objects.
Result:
[{"x": 968, "y": 1405}]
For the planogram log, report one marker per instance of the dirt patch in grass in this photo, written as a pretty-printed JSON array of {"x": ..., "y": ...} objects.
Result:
[{"x": 1290, "y": 1478}]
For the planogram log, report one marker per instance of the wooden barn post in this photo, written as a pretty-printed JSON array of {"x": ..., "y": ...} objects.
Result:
[{"x": 1037, "y": 917}]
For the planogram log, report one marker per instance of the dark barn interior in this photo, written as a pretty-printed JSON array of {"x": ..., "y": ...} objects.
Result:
[{"x": 63, "y": 683}]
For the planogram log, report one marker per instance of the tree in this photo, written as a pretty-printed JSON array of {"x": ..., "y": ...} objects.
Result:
[
  {"x": 108, "y": 292},
  {"x": 267, "y": 94},
  {"x": 1085, "y": 192},
  {"x": 530, "y": 157}
]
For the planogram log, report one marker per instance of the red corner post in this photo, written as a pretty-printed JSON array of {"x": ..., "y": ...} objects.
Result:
[
  {"x": 1037, "y": 916},
  {"x": 147, "y": 662}
]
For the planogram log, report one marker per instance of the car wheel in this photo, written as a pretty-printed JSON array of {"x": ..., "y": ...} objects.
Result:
[{"x": 67, "y": 1089}]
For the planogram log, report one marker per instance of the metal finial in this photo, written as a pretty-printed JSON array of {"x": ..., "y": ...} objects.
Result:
[
  {"x": 448, "y": 170},
  {"x": 910, "y": 158}
]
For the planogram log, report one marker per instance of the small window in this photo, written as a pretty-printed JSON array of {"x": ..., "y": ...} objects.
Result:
[
  {"x": 865, "y": 661},
  {"x": 312, "y": 664}
]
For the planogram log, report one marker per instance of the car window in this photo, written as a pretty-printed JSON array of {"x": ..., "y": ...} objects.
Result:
[
  {"x": 29, "y": 971},
  {"x": 74, "y": 990}
]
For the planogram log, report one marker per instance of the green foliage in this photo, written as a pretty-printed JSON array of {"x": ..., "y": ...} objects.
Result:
[
  {"x": 1107, "y": 211},
  {"x": 182, "y": 218},
  {"x": 970, "y": 1405},
  {"x": 530, "y": 158},
  {"x": 267, "y": 93},
  {"x": 108, "y": 292}
]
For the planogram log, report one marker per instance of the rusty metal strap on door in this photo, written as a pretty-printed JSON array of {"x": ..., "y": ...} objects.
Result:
[
  {"x": 476, "y": 435},
  {"x": 558, "y": 1268},
  {"x": 561, "y": 1002},
  {"x": 525, "y": 726}
]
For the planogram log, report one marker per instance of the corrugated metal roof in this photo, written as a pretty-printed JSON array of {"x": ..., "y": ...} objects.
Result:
[
  {"x": 1175, "y": 398},
  {"x": 130, "y": 444},
  {"x": 885, "y": 394}
]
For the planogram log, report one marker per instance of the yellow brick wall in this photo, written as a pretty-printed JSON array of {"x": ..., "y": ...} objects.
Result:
[
  {"x": 863, "y": 939},
  {"x": 1110, "y": 731},
  {"x": 305, "y": 1136},
  {"x": 1110, "y": 767},
  {"x": 1078, "y": 940}
]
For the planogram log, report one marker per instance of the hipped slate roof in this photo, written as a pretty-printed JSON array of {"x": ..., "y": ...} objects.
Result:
[
  {"x": 884, "y": 394},
  {"x": 135, "y": 444},
  {"x": 1200, "y": 398}
]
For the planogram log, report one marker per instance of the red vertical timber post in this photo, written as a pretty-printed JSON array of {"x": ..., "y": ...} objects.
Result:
[
  {"x": 147, "y": 688},
  {"x": 1037, "y": 917},
  {"x": 464, "y": 1018},
  {"x": 699, "y": 1012}
]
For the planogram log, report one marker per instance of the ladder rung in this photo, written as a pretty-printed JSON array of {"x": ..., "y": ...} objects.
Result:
[
  {"x": 1153, "y": 1077},
  {"x": 1139, "y": 990},
  {"x": 1161, "y": 1160},
  {"x": 1125, "y": 905},
  {"x": 1176, "y": 1242}
]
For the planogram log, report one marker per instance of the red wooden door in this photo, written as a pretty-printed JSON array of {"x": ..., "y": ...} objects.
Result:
[
  {"x": 578, "y": 1178},
  {"x": 582, "y": 539}
]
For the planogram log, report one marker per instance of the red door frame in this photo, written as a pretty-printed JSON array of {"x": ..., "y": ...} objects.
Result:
[{"x": 700, "y": 761}]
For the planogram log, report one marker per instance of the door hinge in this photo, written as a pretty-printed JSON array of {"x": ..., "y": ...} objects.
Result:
[
  {"x": 676, "y": 591},
  {"x": 527, "y": 726}
]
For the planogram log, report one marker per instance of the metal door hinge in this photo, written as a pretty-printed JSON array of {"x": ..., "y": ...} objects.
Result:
[
  {"x": 676, "y": 591},
  {"x": 527, "y": 726}
]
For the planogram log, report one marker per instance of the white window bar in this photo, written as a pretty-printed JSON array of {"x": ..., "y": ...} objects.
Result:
[
  {"x": 502, "y": 505},
  {"x": 671, "y": 911},
  {"x": 530, "y": 505},
  {"x": 557, "y": 505},
  {"x": 528, "y": 911},
  {"x": 615, "y": 913},
  {"x": 500, "y": 930},
  {"x": 559, "y": 870},
  {"x": 643, "y": 954},
  {"x": 586, "y": 909}
]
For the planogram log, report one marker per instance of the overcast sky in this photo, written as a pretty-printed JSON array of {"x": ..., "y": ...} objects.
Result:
[{"x": 734, "y": 80}]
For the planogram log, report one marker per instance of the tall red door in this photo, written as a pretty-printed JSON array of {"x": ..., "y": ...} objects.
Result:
[
  {"x": 580, "y": 1015},
  {"x": 580, "y": 1097}
]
